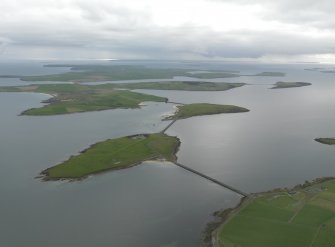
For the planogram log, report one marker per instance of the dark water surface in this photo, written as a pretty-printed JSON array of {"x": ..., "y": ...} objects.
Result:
[{"x": 159, "y": 204}]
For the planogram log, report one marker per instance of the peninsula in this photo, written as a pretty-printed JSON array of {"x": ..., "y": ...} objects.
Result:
[
  {"x": 299, "y": 217},
  {"x": 282, "y": 84},
  {"x": 271, "y": 74},
  {"x": 72, "y": 98},
  {"x": 92, "y": 73},
  {"x": 327, "y": 141},
  {"x": 97, "y": 73},
  {"x": 179, "y": 85}
]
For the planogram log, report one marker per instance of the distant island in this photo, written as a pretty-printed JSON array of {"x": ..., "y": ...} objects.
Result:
[
  {"x": 301, "y": 216},
  {"x": 282, "y": 84},
  {"x": 74, "y": 98},
  {"x": 95, "y": 73},
  {"x": 98, "y": 73},
  {"x": 179, "y": 85},
  {"x": 327, "y": 141},
  {"x": 200, "y": 109},
  {"x": 274, "y": 74}
]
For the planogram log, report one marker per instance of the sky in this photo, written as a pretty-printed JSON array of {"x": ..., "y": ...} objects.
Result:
[{"x": 233, "y": 30}]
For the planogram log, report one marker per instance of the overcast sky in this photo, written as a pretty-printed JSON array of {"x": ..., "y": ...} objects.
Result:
[{"x": 263, "y": 30}]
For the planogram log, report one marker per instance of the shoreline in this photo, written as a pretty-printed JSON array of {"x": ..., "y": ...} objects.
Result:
[
  {"x": 43, "y": 175},
  {"x": 221, "y": 217}
]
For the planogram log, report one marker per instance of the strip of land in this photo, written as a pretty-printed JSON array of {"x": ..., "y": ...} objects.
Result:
[
  {"x": 327, "y": 141},
  {"x": 72, "y": 98},
  {"x": 115, "y": 154},
  {"x": 282, "y": 84},
  {"x": 271, "y": 74},
  {"x": 95, "y": 73},
  {"x": 179, "y": 85},
  {"x": 201, "y": 109},
  {"x": 299, "y": 217}
]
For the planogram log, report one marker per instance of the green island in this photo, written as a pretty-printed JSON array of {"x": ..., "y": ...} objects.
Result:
[
  {"x": 216, "y": 74},
  {"x": 274, "y": 74},
  {"x": 72, "y": 98},
  {"x": 96, "y": 73},
  {"x": 201, "y": 109},
  {"x": 298, "y": 217},
  {"x": 179, "y": 85},
  {"x": 93, "y": 73},
  {"x": 328, "y": 71},
  {"x": 282, "y": 84},
  {"x": 328, "y": 141},
  {"x": 114, "y": 154}
]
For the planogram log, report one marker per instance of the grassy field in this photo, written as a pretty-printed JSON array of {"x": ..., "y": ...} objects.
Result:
[
  {"x": 180, "y": 85},
  {"x": 71, "y": 98},
  {"x": 199, "y": 109},
  {"x": 303, "y": 217},
  {"x": 328, "y": 141},
  {"x": 115, "y": 154},
  {"x": 281, "y": 84}
]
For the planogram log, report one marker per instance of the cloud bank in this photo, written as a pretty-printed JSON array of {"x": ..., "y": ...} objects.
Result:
[{"x": 159, "y": 29}]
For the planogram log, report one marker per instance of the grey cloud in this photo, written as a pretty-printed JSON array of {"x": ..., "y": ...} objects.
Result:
[
  {"x": 309, "y": 13},
  {"x": 109, "y": 29}
]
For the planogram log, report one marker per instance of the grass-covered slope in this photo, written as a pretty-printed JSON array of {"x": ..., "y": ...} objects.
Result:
[
  {"x": 328, "y": 141},
  {"x": 282, "y": 84},
  {"x": 199, "y": 109},
  {"x": 71, "y": 98},
  {"x": 115, "y": 154},
  {"x": 304, "y": 217}
]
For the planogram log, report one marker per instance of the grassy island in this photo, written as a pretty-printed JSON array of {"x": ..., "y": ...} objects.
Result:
[
  {"x": 115, "y": 72},
  {"x": 328, "y": 141},
  {"x": 300, "y": 217},
  {"x": 200, "y": 109},
  {"x": 178, "y": 85},
  {"x": 274, "y": 74},
  {"x": 71, "y": 98},
  {"x": 282, "y": 84},
  {"x": 115, "y": 154},
  {"x": 92, "y": 73},
  {"x": 218, "y": 74}
]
